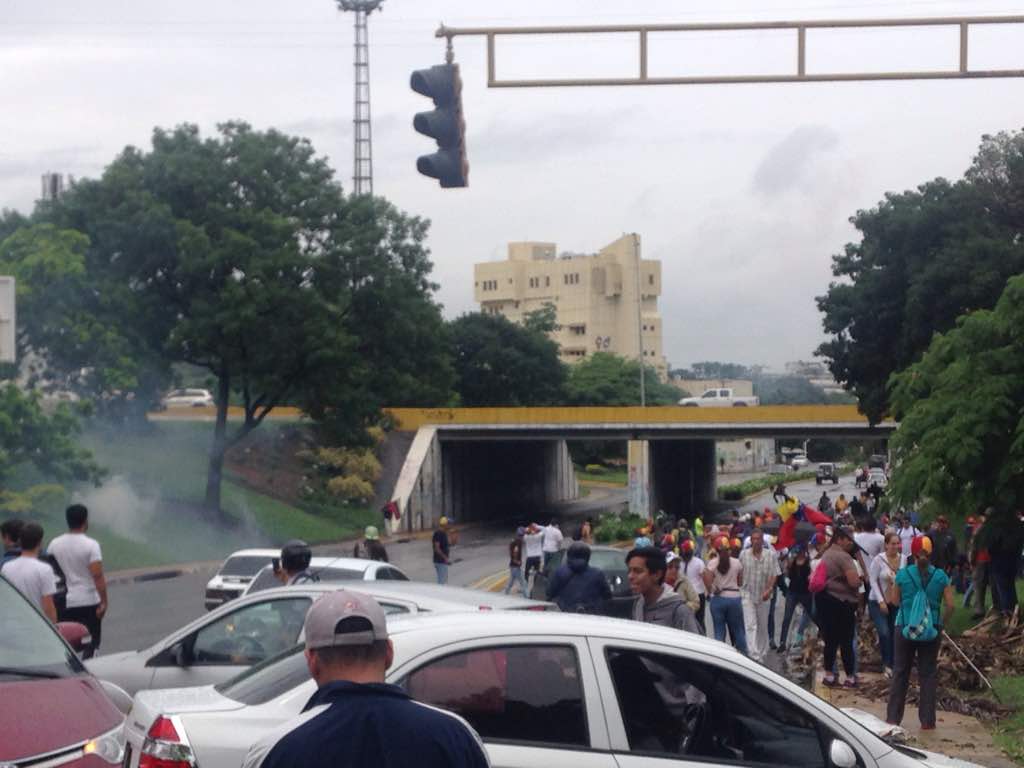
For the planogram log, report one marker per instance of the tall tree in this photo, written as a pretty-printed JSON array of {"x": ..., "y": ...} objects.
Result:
[
  {"x": 925, "y": 257},
  {"x": 500, "y": 363},
  {"x": 240, "y": 254},
  {"x": 961, "y": 410},
  {"x": 607, "y": 379}
]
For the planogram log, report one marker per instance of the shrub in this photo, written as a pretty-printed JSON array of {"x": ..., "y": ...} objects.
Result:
[
  {"x": 351, "y": 489},
  {"x": 595, "y": 469}
]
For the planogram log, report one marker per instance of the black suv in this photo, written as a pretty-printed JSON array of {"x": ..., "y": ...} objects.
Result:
[{"x": 826, "y": 471}]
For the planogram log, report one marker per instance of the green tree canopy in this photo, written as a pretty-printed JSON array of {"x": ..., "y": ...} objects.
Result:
[
  {"x": 608, "y": 379},
  {"x": 925, "y": 257},
  {"x": 961, "y": 410},
  {"x": 498, "y": 362},
  {"x": 240, "y": 254}
]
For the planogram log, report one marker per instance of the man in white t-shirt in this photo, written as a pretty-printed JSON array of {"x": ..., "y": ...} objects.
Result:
[
  {"x": 869, "y": 539},
  {"x": 907, "y": 531},
  {"x": 80, "y": 559},
  {"x": 33, "y": 578},
  {"x": 533, "y": 541},
  {"x": 551, "y": 543}
]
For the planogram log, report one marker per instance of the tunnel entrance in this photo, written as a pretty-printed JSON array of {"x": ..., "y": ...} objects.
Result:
[{"x": 682, "y": 476}]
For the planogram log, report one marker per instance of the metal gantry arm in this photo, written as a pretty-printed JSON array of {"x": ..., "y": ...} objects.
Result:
[{"x": 643, "y": 32}]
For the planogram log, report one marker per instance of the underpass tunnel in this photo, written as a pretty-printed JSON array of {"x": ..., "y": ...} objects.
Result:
[
  {"x": 494, "y": 479},
  {"x": 682, "y": 476}
]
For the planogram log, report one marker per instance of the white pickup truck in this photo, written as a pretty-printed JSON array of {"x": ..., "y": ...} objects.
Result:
[{"x": 718, "y": 398}]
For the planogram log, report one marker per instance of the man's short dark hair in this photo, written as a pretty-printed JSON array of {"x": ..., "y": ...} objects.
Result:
[
  {"x": 870, "y": 525},
  {"x": 352, "y": 655},
  {"x": 31, "y": 536},
  {"x": 76, "y": 515},
  {"x": 654, "y": 558},
  {"x": 11, "y": 529}
]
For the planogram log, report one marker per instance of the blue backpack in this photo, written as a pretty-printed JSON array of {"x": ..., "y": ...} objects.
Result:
[{"x": 918, "y": 624}]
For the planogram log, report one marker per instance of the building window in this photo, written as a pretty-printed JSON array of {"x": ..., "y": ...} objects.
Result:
[
  {"x": 547, "y": 281},
  {"x": 650, "y": 279}
]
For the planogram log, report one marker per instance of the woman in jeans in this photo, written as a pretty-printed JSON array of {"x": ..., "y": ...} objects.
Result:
[
  {"x": 798, "y": 571},
  {"x": 723, "y": 578},
  {"x": 882, "y": 574},
  {"x": 836, "y": 607}
]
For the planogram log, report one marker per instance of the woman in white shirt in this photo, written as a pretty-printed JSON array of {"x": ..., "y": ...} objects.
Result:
[{"x": 881, "y": 575}]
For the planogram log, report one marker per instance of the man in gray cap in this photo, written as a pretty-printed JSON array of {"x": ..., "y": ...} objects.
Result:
[{"x": 355, "y": 718}]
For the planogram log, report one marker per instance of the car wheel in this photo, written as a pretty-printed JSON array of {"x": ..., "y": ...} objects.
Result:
[{"x": 739, "y": 405}]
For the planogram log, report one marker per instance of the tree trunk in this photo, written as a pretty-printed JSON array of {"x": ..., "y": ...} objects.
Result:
[{"x": 215, "y": 470}]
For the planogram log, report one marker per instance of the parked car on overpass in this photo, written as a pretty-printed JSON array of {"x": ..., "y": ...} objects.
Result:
[
  {"x": 718, "y": 398},
  {"x": 219, "y": 644},
  {"x": 547, "y": 690}
]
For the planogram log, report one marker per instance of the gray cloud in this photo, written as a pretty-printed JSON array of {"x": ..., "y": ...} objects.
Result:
[{"x": 789, "y": 164}]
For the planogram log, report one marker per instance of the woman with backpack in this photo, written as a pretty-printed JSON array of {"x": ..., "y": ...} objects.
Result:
[
  {"x": 918, "y": 589},
  {"x": 836, "y": 585}
]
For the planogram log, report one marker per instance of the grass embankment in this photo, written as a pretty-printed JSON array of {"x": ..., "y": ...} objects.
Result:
[
  {"x": 740, "y": 491},
  {"x": 962, "y": 616},
  {"x": 148, "y": 510},
  {"x": 608, "y": 475},
  {"x": 611, "y": 528}
]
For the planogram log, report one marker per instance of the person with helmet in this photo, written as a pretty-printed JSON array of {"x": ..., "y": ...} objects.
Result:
[
  {"x": 370, "y": 547},
  {"x": 295, "y": 558},
  {"x": 577, "y": 587}
]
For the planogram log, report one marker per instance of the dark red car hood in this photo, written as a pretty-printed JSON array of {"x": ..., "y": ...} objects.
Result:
[{"x": 41, "y": 716}]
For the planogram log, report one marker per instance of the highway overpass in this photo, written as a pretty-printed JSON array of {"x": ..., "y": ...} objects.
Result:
[{"x": 476, "y": 463}]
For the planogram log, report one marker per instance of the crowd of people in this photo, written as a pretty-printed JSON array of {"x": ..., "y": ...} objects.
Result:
[{"x": 866, "y": 566}]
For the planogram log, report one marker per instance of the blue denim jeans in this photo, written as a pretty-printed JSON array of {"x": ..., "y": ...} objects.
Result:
[
  {"x": 728, "y": 612},
  {"x": 885, "y": 625},
  {"x": 442, "y": 572},
  {"x": 515, "y": 576}
]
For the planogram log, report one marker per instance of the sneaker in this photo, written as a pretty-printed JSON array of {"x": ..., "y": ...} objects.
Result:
[
  {"x": 927, "y": 727},
  {"x": 771, "y": 644},
  {"x": 829, "y": 681},
  {"x": 850, "y": 682},
  {"x": 887, "y": 671}
]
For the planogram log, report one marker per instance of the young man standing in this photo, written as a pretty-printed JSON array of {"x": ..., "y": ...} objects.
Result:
[
  {"x": 355, "y": 718},
  {"x": 33, "y": 578},
  {"x": 515, "y": 564},
  {"x": 656, "y": 603},
  {"x": 760, "y": 572},
  {"x": 81, "y": 560},
  {"x": 442, "y": 548},
  {"x": 693, "y": 569},
  {"x": 11, "y": 532},
  {"x": 551, "y": 543},
  {"x": 533, "y": 541}
]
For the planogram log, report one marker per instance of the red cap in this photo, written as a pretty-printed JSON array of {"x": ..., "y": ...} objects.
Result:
[
  {"x": 686, "y": 546},
  {"x": 920, "y": 543}
]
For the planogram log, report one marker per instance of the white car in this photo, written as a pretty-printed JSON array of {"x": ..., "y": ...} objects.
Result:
[
  {"x": 799, "y": 460},
  {"x": 332, "y": 569},
  {"x": 546, "y": 689},
  {"x": 235, "y": 574},
  {"x": 188, "y": 398},
  {"x": 221, "y": 643},
  {"x": 877, "y": 477}
]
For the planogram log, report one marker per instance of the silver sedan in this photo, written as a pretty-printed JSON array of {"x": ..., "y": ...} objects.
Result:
[
  {"x": 547, "y": 689},
  {"x": 254, "y": 627}
]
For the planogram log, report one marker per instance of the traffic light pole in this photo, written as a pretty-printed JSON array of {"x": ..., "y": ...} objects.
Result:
[{"x": 801, "y": 29}]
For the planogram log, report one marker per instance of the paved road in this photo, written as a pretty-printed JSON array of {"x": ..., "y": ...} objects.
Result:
[{"x": 143, "y": 612}]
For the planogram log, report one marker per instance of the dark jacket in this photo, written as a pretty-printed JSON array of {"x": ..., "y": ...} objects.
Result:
[
  {"x": 372, "y": 725},
  {"x": 578, "y": 588}
]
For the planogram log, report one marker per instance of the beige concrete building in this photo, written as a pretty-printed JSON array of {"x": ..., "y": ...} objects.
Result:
[{"x": 594, "y": 295}]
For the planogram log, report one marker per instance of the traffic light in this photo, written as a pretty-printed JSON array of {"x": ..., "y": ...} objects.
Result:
[{"x": 445, "y": 124}]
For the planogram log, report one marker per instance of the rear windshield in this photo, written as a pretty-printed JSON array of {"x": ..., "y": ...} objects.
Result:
[
  {"x": 267, "y": 580},
  {"x": 244, "y": 565},
  {"x": 268, "y": 679},
  {"x": 607, "y": 561}
]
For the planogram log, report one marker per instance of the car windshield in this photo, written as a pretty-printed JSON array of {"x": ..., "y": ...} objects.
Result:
[
  {"x": 268, "y": 679},
  {"x": 267, "y": 580},
  {"x": 244, "y": 565},
  {"x": 608, "y": 561},
  {"x": 31, "y": 647}
]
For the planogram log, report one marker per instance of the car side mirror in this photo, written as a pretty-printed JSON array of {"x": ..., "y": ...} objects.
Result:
[
  {"x": 77, "y": 635},
  {"x": 841, "y": 755},
  {"x": 180, "y": 654}
]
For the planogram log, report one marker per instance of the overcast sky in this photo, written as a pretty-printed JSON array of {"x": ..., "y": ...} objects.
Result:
[{"x": 742, "y": 191}]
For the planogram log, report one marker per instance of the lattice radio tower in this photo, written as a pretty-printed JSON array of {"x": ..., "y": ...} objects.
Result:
[{"x": 362, "y": 155}]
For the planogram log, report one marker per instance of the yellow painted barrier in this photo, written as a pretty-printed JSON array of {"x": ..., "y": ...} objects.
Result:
[{"x": 414, "y": 418}]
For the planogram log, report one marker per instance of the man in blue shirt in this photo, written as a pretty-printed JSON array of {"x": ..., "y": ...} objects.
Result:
[
  {"x": 916, "y": 576},
  {"x": 355, "y": 719}
]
